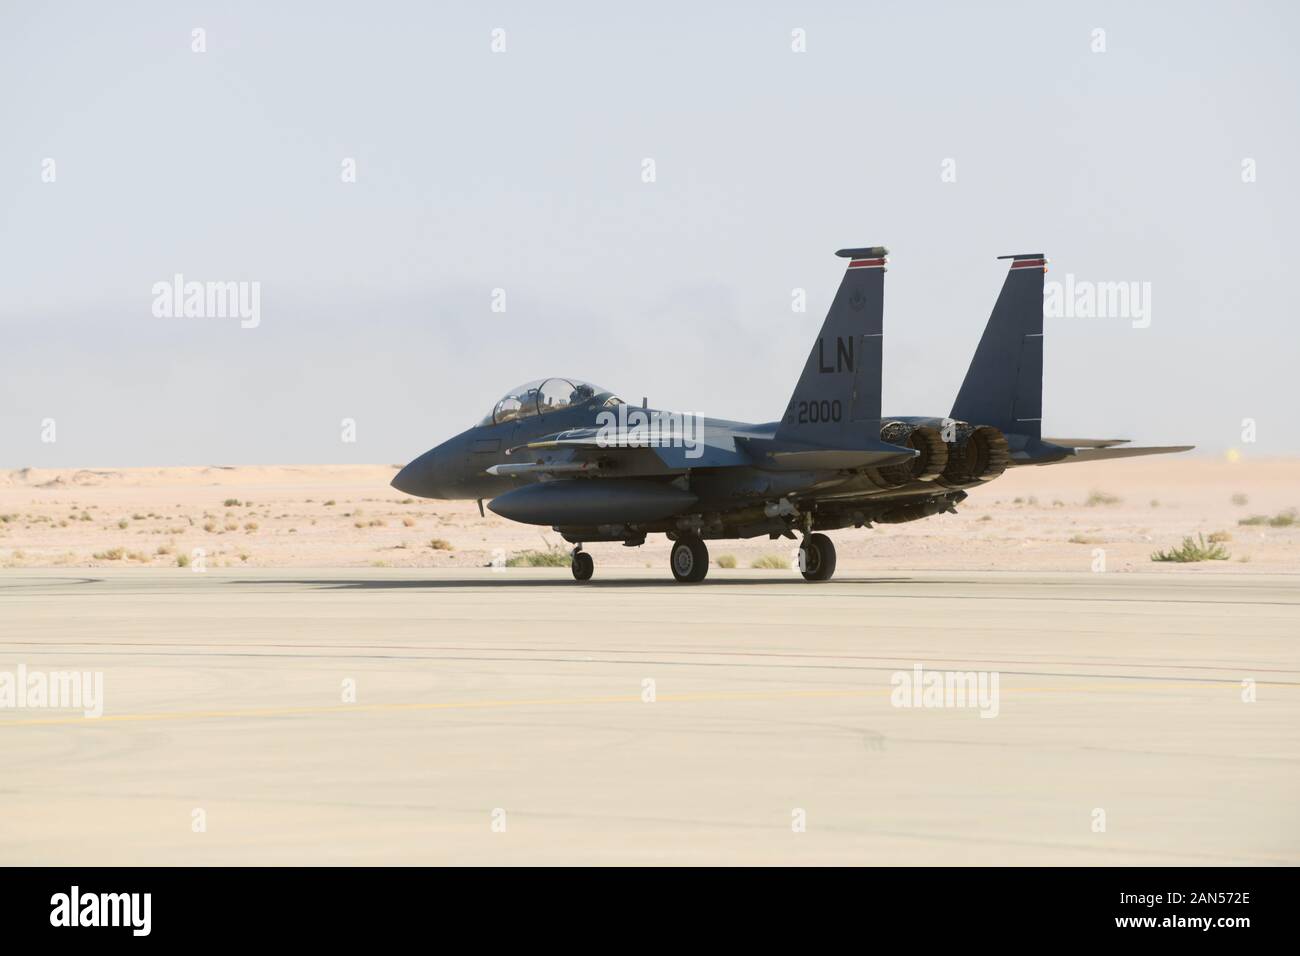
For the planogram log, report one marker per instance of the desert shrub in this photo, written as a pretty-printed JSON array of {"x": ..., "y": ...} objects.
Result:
[
  {"x": 1283, "y": 519},
  {"x": 550, "y": 558},
  {"x": 1096, "y": 498},
  {"x": 1193, "y": 550}
]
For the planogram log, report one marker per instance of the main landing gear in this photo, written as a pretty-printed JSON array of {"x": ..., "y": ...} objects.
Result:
[
  {"x": 689, "y": 559},
  {"x": 817, "y": 557},
  {"x": 581, "y": 565}
]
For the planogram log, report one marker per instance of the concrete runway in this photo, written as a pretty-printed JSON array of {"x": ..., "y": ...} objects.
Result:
[{"x": 516, "y": 698}]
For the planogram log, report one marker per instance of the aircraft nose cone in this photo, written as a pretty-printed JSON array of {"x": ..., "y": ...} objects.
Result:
[{"x": 419, "y": 478}]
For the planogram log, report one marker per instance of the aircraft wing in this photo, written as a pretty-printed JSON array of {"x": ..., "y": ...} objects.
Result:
[{"x": 595, "y": 451}]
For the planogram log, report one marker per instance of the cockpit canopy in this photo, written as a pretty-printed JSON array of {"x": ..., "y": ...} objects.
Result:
[{"x": 546, "y": 395}]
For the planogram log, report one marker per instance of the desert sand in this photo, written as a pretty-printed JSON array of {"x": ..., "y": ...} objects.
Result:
[{"x": 1059, "y": 518}]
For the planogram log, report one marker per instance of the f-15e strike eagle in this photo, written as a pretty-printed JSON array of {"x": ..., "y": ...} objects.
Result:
[{"x": 571, "y": 455}]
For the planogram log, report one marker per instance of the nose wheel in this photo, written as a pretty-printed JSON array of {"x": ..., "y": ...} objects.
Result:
[
  {"x": 689, "y": 559},
  {"x": 581, "y": 565},
  {"x": 817, "y": 558}
]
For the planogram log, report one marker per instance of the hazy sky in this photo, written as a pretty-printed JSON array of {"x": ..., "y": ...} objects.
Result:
[{"x": 522, "y": 170}]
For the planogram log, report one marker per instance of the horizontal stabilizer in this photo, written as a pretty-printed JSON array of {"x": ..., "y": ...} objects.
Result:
[
  {"x": 1087, "y": 442},
  {"x": 1128, "y": 451}
]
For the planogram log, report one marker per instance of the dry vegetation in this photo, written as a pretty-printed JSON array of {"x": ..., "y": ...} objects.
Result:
[
  {"x": 1283, "y": 519},
  {"x": 1096, "y": 498},
  {"x": 1190, "y": 550},
  {"x": 549, "y": 558}
]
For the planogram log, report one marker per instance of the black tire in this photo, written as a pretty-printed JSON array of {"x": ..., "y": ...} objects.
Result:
[
  {"x": 582, "y": 566},
  {"x": 689, "y": 559},
  {"x": 817, "y": 558}
]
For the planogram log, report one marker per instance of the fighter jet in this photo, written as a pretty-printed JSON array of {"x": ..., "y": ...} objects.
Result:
[{"x": 573, "y": 456}]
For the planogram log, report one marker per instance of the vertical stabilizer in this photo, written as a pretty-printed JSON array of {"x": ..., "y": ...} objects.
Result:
[
  {"x": 1004, "y": 385},
  {"x": 837, "y": 400}
]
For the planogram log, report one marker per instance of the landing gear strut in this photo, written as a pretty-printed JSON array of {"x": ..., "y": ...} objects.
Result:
[
  {"x": 581, "y": 565},
  {"x": 817, "y": 557},
  {"x": 689, "y": 559}
]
